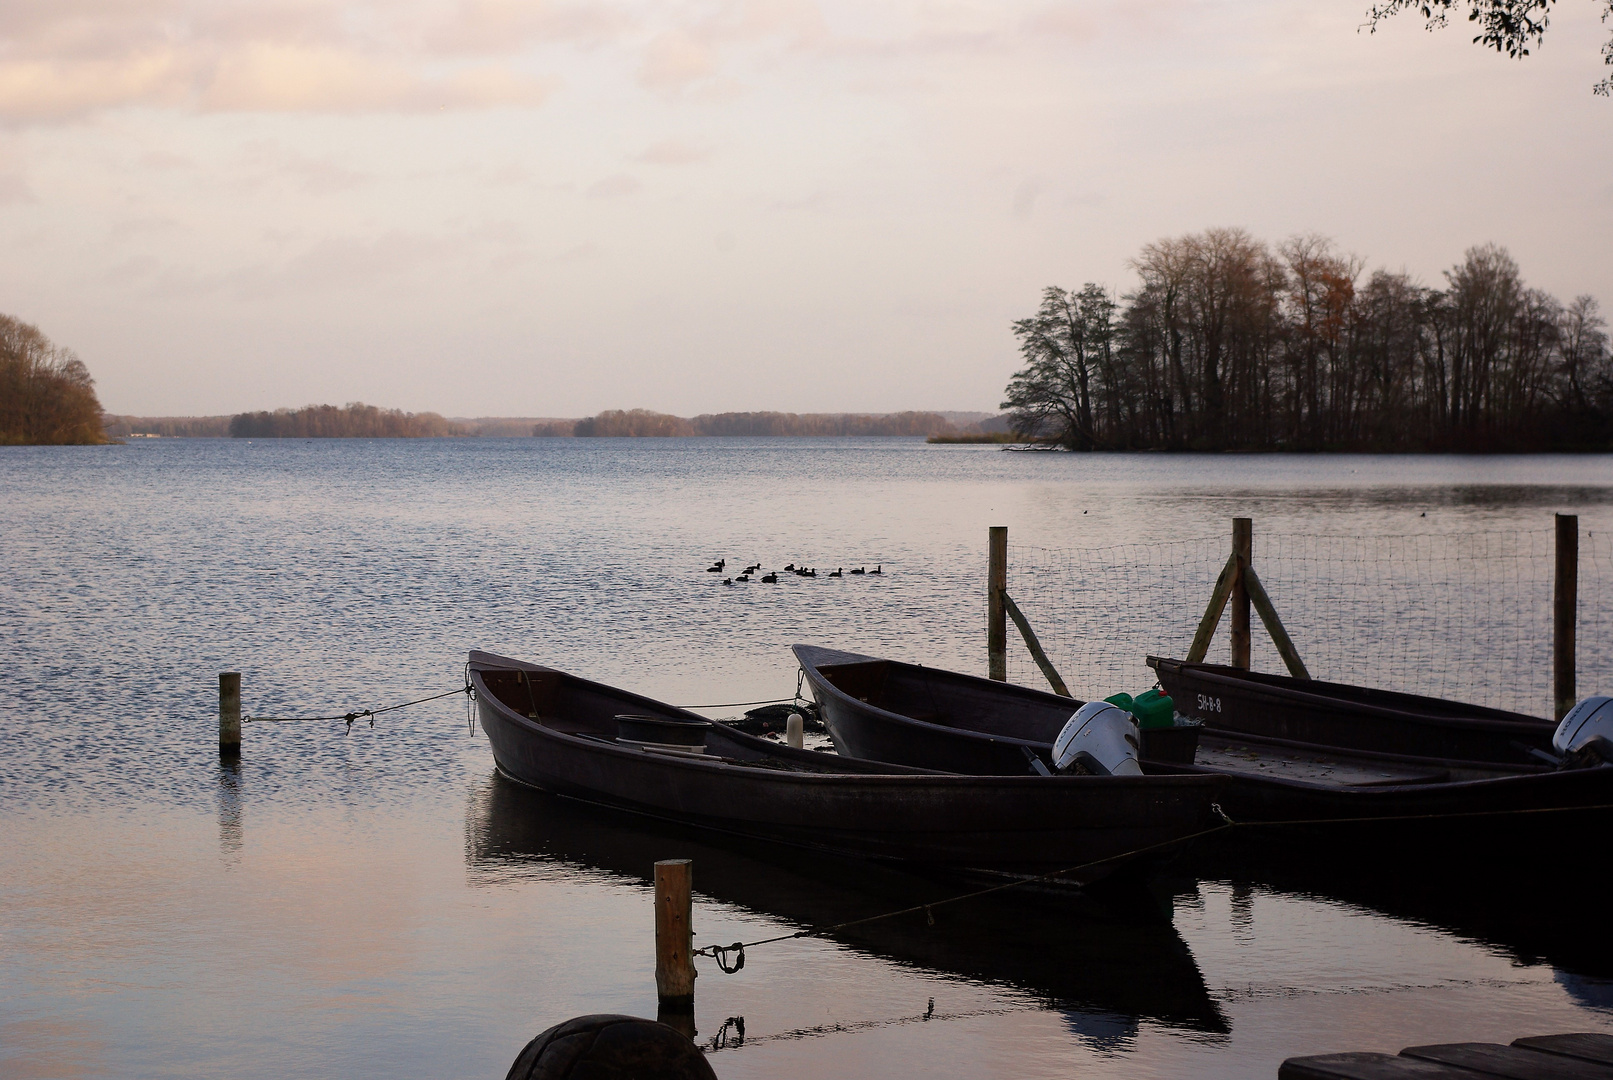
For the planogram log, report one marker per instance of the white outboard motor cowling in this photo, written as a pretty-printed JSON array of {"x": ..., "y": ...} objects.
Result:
[
  {"x": 1101, "y": 738},
  {"x": 1588, "y": 725}
]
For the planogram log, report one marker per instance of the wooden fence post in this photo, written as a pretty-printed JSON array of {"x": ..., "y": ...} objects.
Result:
[
  {"x": 674, "y": 933},
  {"x": 996, "y": 621},
  {"x": 1243, "y": 550},
  {"x": 1564, "y": 601},
  {"x": 229, "y": 714}
]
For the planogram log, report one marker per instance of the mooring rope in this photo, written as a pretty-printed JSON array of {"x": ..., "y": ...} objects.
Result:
[{"x": 357, "y": 714}]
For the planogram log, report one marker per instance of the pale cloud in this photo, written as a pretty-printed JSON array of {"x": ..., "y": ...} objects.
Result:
[
  {"x": 484, "y": 27},
  {"x": 66, "y": 60},
  {"x": 278, "y": 78},
  {"x": 14, "y": 189},
  {"x": 675, "y": 152},
  {"x": 318, "y": 176},
  {"x": 676, "y": 60},
  {"x": 614, "y": 187}
]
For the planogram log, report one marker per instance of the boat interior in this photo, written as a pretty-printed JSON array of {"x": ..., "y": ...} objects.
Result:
[
  {"x": 949, "y": 700},
  {"x": 582, "y": 709},
  {"x": 943, "y": 698}
]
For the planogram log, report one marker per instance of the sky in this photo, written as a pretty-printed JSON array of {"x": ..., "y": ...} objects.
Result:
[{"x": 522, "y": 208}]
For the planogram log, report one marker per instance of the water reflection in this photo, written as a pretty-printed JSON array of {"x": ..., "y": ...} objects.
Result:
[
  {"x": 1519, "y": 906},
  {"x": 1336, "y": 497},
  {"x": 229, "y": 810},
  {"x": 1104, "y": 963}
]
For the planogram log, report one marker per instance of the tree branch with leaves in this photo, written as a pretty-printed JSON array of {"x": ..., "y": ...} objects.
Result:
[{"x": 1507, "y": 26}]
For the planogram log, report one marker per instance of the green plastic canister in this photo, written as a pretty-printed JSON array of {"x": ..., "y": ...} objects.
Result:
[{"x": 1153, "y": 709}]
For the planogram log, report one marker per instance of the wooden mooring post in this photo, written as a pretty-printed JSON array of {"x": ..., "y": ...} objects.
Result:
[
  {"x": 1564, "y": 605},
  {"x": 1243, "y": 550},
  {"x": 229, "y": 714},
  {"x": 674, "y": 942},
  {"x": 1239, "y": 585},
  {"x": 996, "y": 613}
]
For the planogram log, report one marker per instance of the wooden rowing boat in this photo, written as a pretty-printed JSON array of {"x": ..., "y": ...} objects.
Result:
[
  {"x": 1231, "y": 700},
  {"x": 558, "y": 732},
  {"x": 908, "y": 714}
]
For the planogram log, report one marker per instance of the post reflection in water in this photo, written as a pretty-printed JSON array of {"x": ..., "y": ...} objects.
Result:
[
  {"x": 229, "y": 809},
  {"x": 1103, "y": 964}
]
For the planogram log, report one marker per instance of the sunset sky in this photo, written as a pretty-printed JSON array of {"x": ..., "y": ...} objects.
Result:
[{"x": 508, "y": 207}]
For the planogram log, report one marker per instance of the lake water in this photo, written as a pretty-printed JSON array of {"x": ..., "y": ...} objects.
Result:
[{"x": 379, "y": 902}]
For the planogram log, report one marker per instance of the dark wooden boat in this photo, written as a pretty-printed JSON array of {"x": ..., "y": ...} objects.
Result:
[
  {"x": 1231, "y": 700},
  {"x": 558, "y": 732},
  {"x": 907, "y": 714}
]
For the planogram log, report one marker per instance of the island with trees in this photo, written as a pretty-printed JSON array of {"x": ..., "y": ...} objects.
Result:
[
  {"x": 355, "y": 420},
  {"x": 1227, "y": 343},
  {"x": 46, "y": 394}
]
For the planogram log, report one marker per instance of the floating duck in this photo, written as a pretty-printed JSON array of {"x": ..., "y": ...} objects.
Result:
[
  {"x": 860, "y": 570},
  {"x": 835, "y": 572},
  {"x": 880, "y": 569},
  {"x": 743, "y": 577},
  {"x": 789, "y": 568},
  {"x": 716, "y": 567},
  {"x": 810, "y": 573},
  {"x": 727, "y": 581},
  {"x": 769, "y": 579}
]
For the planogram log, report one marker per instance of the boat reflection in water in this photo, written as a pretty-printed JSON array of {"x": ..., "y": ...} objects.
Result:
[
  {"x": 1105, "y": 962},
  {"x": 1525, "y": 908}
]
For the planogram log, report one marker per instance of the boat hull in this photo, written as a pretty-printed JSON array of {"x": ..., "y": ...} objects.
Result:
[
  {"x": 1003, "y": 825},
  {"x": 1228, "y": 699}
]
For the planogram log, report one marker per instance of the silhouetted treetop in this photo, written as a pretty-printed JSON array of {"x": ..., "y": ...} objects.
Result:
[{"x": 1227, "y": 343}]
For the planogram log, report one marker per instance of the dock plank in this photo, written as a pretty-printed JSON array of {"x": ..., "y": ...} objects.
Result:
[
  {"x": 1368, "y": 1066},
  {"x": 1512, "y": 1062},
  {"x": 1587, "y": 1046}
]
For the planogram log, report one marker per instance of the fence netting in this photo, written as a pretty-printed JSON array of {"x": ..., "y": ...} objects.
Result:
[{"x": 1460, "y": 616}]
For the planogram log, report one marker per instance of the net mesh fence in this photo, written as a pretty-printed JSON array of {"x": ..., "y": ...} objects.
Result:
[{"x": 1460, "y": 616}]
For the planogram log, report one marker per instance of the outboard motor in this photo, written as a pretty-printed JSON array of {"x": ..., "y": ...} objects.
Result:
[
  {"x": 1100, "y": 740},
  {"x": 1585, "y": 737}
]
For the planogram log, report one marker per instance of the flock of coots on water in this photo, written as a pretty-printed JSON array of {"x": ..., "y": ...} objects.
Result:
[{"x": 771, "y": 577}]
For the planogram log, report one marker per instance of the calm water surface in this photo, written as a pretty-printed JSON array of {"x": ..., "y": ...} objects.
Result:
[{"x": 380, "y": 903}]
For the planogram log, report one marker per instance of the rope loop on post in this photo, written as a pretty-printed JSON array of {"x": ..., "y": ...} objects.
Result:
[{"x": 721, "y": 953}]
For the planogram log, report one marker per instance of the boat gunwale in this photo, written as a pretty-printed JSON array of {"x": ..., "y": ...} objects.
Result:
[
  {"x": 1498, "y": 724},
  {"x": 815, "y": 675}
]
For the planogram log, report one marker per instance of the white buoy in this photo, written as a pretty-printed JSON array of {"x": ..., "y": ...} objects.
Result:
[{"x": 795, "y": 731}]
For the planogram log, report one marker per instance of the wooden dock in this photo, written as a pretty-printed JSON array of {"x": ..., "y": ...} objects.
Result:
[{"x": 1539, "y": 1057}]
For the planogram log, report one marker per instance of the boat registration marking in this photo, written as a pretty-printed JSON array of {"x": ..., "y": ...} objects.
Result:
[{"x": 1209, "y": 704}]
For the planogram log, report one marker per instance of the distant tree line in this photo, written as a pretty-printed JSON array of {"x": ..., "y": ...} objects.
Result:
[
  {"x": 1227, "y": 343},
  {"x": 168, "y": 427},
  {"x": 644, "y": 423},
  {"x": 46, "y": 393},
  {"x": 354, "y": 421}
]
